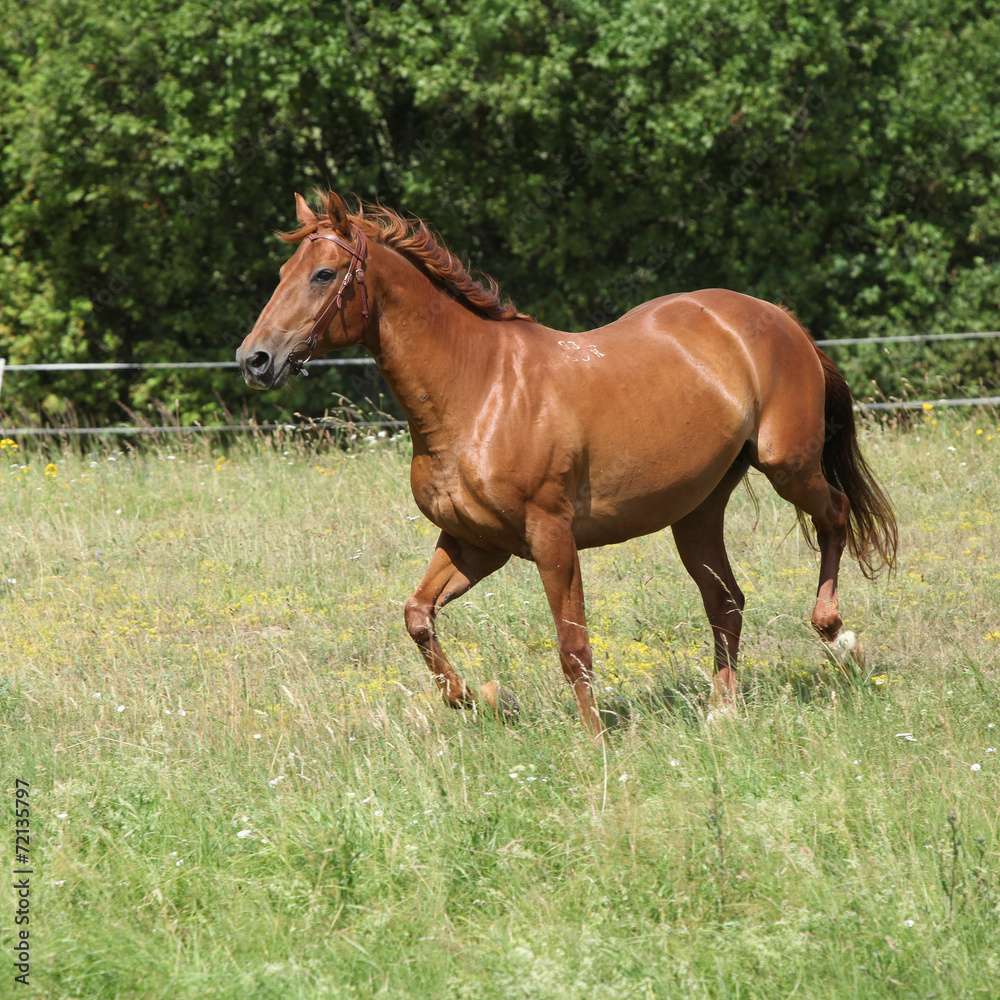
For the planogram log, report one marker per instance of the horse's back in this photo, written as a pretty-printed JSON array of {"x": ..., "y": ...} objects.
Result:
[
  {"x": 736, "y": 347},
  {"x": 718, "y": 318},
  {"x": 712, "y": 355}
]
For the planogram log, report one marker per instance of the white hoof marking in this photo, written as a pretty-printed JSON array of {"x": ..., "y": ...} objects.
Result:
[{"x": 847, "y": 651}]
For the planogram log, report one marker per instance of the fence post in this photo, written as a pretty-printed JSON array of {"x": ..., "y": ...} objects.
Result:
[{"x": 3, "y": 361}]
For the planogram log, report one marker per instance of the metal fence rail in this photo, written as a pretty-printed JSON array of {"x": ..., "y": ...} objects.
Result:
[
  {"x": 69, "y": 366},
  {"x": 909, "y": 338},
  {"x": 929, "y": 404},
  {"x": 141, "y": 429},
  {"x": 908, "y": 404},
  {"x": 134, "y": 366}
]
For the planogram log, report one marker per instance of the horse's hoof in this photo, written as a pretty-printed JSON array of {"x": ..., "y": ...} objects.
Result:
[
  {"x": 458, "y": 701},
  {"x": 847, "y": 652},
  {"x": 720, "y": 715},
  {"x": 499, "y": 700}
]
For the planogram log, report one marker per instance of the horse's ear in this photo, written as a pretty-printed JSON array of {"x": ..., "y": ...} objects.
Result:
[
  {"x": 304, "y": 213},
  {"x": 336, "y": 211}
]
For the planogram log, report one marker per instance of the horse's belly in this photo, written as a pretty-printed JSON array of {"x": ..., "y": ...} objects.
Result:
[
  {"x": 629, "y": 520},
  {"x": 647, "y": 498}
]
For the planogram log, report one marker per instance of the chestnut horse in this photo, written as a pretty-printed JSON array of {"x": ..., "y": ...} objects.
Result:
[{"x": 536, "y": 443}]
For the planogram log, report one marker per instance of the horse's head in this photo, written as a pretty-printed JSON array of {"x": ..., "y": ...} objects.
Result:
[{"x": 321, "y": 301}]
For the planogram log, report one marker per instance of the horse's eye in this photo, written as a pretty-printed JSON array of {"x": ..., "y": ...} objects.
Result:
[{"x": 324, "y": 274}]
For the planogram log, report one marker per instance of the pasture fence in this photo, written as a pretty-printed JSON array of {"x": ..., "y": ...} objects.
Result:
[{"x": 252, "y": 427}]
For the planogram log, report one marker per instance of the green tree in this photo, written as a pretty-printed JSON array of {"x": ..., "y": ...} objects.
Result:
[{"x": 840, "y": 158}]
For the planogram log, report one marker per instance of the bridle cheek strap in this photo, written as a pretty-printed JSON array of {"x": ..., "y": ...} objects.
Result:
[{"x": 355, "y": 273}]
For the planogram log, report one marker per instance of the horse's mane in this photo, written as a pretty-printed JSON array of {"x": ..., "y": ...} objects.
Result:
[{"x": 417, "y": 243}]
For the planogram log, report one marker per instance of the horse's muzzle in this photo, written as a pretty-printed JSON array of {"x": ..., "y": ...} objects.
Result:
[
  {"x": 261, "y": 370},
  {"x": 257, "y": 368}
]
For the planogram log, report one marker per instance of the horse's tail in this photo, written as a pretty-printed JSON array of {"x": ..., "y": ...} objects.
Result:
[{"x": 872, "y": 533}]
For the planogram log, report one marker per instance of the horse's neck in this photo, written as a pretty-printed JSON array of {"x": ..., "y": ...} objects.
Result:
[{"x": 422, "y": 340}]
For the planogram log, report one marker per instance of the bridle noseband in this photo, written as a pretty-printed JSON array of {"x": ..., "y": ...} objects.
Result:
[{"x": 355, "y": 273}]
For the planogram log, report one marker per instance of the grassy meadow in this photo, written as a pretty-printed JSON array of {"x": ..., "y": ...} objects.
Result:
[{"x": 243, "y": 784}]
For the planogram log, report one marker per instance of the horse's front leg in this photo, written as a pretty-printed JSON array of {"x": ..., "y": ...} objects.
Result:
[
  {"x": 554, "y": 550},
  {"x": 455, "y": 568}
]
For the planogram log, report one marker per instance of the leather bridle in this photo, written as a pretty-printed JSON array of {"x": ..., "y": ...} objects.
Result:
[{"x": 355, "y": 273}]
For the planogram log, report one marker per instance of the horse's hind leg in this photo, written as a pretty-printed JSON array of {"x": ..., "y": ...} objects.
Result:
[
  {"x": 800, "y": 481},
  {"x": 701, "y": 545},
  {"x": 455, "y": 568}
]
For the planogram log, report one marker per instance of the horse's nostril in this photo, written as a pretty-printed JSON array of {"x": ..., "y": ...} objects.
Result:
[{"x": 258, "y": 361}]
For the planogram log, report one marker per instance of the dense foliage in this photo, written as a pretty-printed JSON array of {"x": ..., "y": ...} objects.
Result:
[{"x": 839, "y": 157}]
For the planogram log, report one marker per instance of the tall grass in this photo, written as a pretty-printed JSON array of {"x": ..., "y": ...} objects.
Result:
[{"x": 244, "y": 785}]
